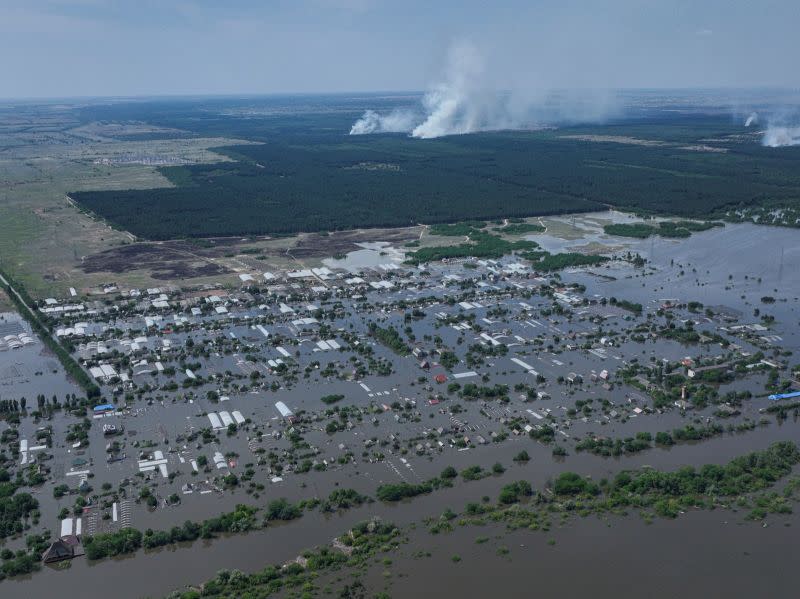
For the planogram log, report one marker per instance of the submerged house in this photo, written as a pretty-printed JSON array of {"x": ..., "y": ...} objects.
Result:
[{"x": 58, "y": 550}]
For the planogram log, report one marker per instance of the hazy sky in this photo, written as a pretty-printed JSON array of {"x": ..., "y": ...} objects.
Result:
[{"x": 145, "y": 47}]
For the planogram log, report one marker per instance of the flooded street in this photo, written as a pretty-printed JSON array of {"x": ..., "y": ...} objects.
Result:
[
  {"x": 292, "y": 393},
  {"x": 639, "y": 552}
]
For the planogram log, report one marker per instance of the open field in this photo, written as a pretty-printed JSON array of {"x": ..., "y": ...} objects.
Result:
[{"x": 45, "y": 241}]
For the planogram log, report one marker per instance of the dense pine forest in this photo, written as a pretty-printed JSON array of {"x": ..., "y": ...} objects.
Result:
[{"x": 308, "y": 175}]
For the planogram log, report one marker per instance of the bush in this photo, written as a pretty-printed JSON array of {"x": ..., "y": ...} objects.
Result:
[{"x": 513, "y": 492}]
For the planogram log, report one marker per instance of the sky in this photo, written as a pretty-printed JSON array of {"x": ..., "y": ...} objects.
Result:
[{"x": 68, "y": 48}]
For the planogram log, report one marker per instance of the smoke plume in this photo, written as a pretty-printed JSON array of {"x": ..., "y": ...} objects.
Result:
[
  {"x": 467, "y": 100},
  {"x": 778, "y": 137},
  {"x": 397, "y": 121}
]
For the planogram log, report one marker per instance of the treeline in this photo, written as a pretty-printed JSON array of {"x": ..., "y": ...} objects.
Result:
[
  {"x": 363, "y": 542},
  {"x": 129, "y": 540},
  {"x": 547, "y": 262},
  {"x": 642, "y": 441},
  {"x": 648, "y": 492},
  {"x": 392, "y": 492},
  {"x": 667, "y": 494},
  {"x": 73, "y": 369},
  {"x": 520, "y": 228},
  {"x": 636, "y": 308},
  {"x": 482, "y": 245},
  {"x": 317, "y": 182},
  {"x": 670, "y": 229}
]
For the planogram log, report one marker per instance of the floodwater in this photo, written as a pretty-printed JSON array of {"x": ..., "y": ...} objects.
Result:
[
  {"x": 29, "y": 370},
  {"x": 701, "y": 554},
  {"x": 581, "y": 544},
  {"x": 732, "y": 266},
  {"x": 373, "y": 255}
]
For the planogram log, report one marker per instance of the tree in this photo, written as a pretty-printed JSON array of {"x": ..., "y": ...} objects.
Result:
[{"x": 522, "y": 456}]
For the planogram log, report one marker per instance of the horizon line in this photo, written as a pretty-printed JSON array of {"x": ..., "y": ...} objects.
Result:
[{"x": 398, "y": 92}]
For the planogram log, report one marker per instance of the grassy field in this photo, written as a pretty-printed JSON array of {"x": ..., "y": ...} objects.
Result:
[{"x": 44, "y": 238}]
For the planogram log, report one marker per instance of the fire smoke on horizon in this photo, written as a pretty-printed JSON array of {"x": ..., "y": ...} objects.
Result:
[{"x": 465, "y": 101}]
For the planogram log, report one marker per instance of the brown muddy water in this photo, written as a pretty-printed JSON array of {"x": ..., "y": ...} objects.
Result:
[
  {"x": 622, "y": 555},
  {"x": 701, "y": 554}
]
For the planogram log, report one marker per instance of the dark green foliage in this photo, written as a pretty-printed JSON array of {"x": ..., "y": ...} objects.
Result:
[
  {"x": 696, "y": 433},
  {"x": 365, "y": 539},
  {"x": 745, "y": 474},
  {"x": 110, "y": 544},
  {"x": 15, "y": 508},
  {"x": 331, "y": 399},
  {"x": 390, "y": 338},
  {"x": 281, "y": 509},
  {"x": 544, "y": 433},
  {"x": 522, "y": 456},
  {"x": 448, "y": 359},
  {"x": 473, "y": 473},
  {"x": 520, "y": 229},
  {"x": 343, "y": 499},
  {"x": 448, "y": 473},
  {"x": 515, "y": 491},
  {"x": 308, "y": 175},
  {"x": 308, "y": 186},
  {"x": 190, "y": 531},
  {"x": 128, "y": 540},
  {"x": 457, "y": 229},
  {"x": 396, "y": 492},
  {"x": 627, "y": 305},
  {"x": 569, "y": 483},
  {"x": 22, "y": 563},
  {"x": 676, "y": 230},
  {"x": 546, "y": 262},
  {"x": 664, "y": 438},
  {"x": 615, "y": 447},
  {"x": 481, "y": 245}
]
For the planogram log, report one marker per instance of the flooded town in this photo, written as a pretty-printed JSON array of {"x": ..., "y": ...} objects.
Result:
[
  {"x": 362, "y": 299},
  {"x": 335, "y": 386}
]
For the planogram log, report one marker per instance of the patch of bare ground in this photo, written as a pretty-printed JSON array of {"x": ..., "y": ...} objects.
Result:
[
  {"x": 617, "y": 139},
  {"x": 315, "y": 245},
  {"x": 162, "y": 261},
  {"x": 596, "y": 249}
]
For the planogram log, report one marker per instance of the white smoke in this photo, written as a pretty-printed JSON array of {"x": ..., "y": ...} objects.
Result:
[
  {"x": 778, "y": 137},
  {"x": 397, "y": 121},
  {"x": 460, "y": 104},
  {"x": 466, "y": 101},
  {"x": 752, "y": 119}
]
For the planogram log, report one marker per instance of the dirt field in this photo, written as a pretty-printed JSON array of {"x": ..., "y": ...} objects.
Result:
[{"x": 161, "y": 261}]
